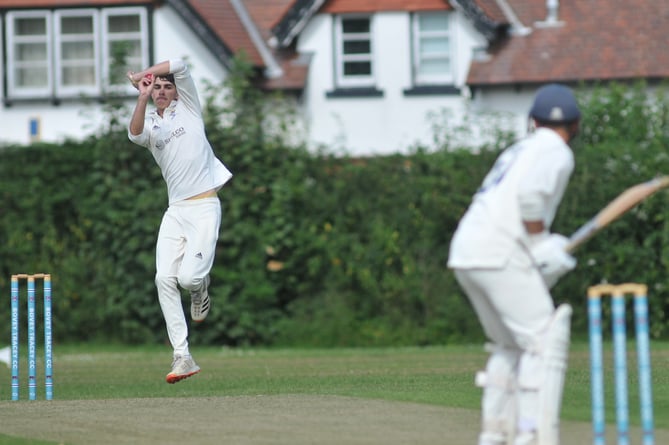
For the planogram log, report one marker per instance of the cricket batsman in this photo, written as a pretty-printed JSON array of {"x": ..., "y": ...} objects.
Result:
[{"x": 506, "y": 260}]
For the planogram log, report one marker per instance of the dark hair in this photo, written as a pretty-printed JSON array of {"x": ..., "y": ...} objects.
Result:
[{"x": 167, "y": 77}]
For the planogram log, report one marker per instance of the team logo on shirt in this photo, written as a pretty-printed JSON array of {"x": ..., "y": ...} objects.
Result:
[
  {"x": 175, "y": 134},
  {"x": 161, "y": 143}
]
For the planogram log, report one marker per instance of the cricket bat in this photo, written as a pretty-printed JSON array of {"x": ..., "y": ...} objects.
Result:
[{"x": 615, "y": 209}]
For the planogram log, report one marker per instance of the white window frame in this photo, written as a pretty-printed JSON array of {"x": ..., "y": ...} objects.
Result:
[
  {"x": 2, "y": 53},
  {"x": 14, "y": 90},
  {"x": 53, "y": 38},
  {"x": 447, "y": 78},
  {"x": 63, "y": 90},
  {"x": 341, "y": 58},
  {"x": 107, "y": 38}
]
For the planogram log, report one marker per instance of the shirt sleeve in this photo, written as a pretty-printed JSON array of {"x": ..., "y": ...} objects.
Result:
[
  {"x": 186, "y": 89},
  {"x": 141, "y": 139},
  {"x": 542, "y": 189}
]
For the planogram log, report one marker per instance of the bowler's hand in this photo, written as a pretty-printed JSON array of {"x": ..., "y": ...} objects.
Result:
[
  {"x": 137, "y": 80},
  {"x": 144, "y": 84}
]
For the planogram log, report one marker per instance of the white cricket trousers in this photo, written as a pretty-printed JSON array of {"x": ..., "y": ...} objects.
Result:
[
  {"x": 515, "y": 308},
  {"x": 185, "y": 253},
  {"x": 512, "y": 303}
]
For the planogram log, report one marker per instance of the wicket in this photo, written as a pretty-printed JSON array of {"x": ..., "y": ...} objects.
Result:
[
  {"x": 618, "y": 293},
  {"x": 32, "y": 336}
]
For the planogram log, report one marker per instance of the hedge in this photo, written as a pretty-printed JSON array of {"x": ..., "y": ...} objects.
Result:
[{"x": 315, "y": 249}]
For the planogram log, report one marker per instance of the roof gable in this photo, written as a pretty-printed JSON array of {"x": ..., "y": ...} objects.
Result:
[
  {"x": 294, "y": 20},
  {"x": 486, "y": 17}
]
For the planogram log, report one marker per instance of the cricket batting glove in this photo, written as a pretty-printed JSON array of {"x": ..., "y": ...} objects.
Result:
[{"x": 552, "y": 259}]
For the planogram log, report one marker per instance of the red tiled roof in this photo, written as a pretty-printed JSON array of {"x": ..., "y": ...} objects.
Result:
[
  {"x": 348, "y": 6},
  {"x": 295, "y": 69},
  {"x": 267, "y": 13},
  {"x": 222, "y": 18},
  {"x": 599, "y": 40}
]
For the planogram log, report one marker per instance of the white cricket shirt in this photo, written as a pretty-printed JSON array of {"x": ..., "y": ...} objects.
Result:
[
  {"x": 526, "y": 183},
  {"x": 179, "y": 144}
]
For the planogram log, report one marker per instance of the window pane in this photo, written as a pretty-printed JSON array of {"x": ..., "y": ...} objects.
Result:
[
  {"x": 78, "y": 76},
  {"x": 435, "y": 66},
  {"x": 126, "y": 55},
  {"x": 77, "y": 53},
  {"x": 125, "y": 45},
  {"x": 360, "y": 25},
  {"x": 124, "y": 23},
  {"x": 30, "y": 52},
  {"x": 433, "y": 22},
  {"x": 117, "y": 73},
  {"x": 31, "y": 77},
  {"x": 126, "y": 48},
  {"x": 357, "y": 68},
  {"x": 76, "y": 25},
  {"x": 433, "y": 48},
  {"x": 30, "y": 27},
  {"x": 354, "y": 52},
  {"x": 357, "y": 47},
  {"x": 78, "y": 50},
  {"x": 433, "y": 45}
]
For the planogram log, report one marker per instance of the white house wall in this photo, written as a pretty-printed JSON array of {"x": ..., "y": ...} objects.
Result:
[
  {"x": 75, "y": 120},
  {"x": 512, "y": 102},
  {"x": 467, "y": 39},
  {"x": 381, "y": 125},
  {"x": 56, "y": 123}
]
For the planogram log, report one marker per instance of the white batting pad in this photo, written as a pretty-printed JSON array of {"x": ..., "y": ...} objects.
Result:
[
  {"x": 541, "y": 380},
  {"x": 498, "y": 402}
]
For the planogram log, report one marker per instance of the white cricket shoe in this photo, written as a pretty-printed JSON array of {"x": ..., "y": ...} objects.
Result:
[
  {"x": 199, "y": 302},
  {"x": 182, "y": 368}
]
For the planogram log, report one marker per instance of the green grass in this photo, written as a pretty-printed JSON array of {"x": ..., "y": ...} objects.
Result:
[
  {"x": 432, "y": 375},
  {"x": 8, "y": 440}
]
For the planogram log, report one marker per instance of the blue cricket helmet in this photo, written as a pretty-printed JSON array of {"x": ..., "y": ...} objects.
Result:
[{"x": 555, "y": 103}]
